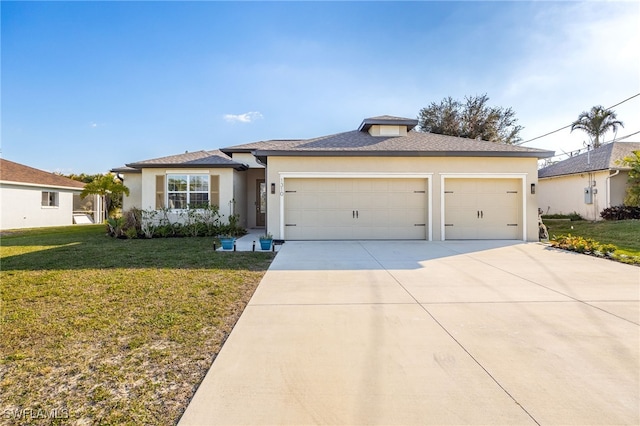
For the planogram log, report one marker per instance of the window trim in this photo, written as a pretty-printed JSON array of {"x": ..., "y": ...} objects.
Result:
[
  {"x": 188, "y": 192},
  {"x": 52, "y": 202}
]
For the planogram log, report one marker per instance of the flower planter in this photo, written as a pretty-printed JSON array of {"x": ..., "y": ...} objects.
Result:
[
  {"x": 266, "y": 244},
  {"x": 227, "y": 243}
]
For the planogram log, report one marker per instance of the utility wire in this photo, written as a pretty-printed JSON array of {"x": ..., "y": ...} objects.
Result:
[
  {"x": 624, "y": 137},
  {"x": 569, "y": 125}
]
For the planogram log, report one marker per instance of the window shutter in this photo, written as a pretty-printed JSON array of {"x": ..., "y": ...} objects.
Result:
[
  {"x": 214, "y": 188},
  {"x": 159, "y": 192}
]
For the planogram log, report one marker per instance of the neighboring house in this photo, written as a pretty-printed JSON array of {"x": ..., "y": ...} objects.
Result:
[
  {"x": 381, "y": 181},
  {"x": 32, "y": 198},
  {"x": 587, "y": 183}
]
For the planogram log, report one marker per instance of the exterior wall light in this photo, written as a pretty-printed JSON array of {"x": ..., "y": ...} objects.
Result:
[{"x": 533, "y": 188}]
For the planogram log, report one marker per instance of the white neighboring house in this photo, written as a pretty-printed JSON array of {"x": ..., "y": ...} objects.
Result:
[
  {"x": 32, "y": 198},
  {"x": 587, "y": 183}
]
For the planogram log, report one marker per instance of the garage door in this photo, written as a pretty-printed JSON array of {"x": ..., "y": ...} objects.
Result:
[
  {"x": 355, "y": 209},
  {"x": 483, "y": 209}
]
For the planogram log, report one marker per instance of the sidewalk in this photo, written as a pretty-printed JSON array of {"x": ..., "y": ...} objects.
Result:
[{"x": 251, "y": 242}]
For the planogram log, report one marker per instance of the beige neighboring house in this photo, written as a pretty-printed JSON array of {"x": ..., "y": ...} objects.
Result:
[
  {"x": 586, "y": 183},
  {"x": 33, "y": 198},
  {"x": 380, "y": 181}
]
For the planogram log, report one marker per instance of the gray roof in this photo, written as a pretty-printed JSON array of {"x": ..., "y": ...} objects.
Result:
[
  {"x": 125, "y": 169},
  {"x": 203, "y": 159},
  {"x": 360, "y": 143},
  {"x": 601, "y": 158},
  {"x": 388, "y": 119}
]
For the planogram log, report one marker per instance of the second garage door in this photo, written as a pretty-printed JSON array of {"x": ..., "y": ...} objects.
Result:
[
  {"x": 355, "y": 209},
  {"x": 483, "y": 209}
]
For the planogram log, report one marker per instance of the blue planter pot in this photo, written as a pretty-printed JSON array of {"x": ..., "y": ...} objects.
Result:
[
  {"x": 227, "y": 243},
  {"x": 266, "y": 244}
]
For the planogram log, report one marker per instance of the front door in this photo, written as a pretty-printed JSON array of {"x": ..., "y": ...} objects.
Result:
[{"x": 261, "y": 202}]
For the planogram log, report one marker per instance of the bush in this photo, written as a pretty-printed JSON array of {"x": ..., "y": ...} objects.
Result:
[
  {"x": 572, "y": 216},
  {"x": 582, "y": 245},
  {"x": 591, "y": 247},
  {"x": 620, "y": 213},
  {"x": 197, "y": 221}
]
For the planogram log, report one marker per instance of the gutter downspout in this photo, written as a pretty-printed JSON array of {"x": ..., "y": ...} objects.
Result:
[{"x": 608, "y": 186}]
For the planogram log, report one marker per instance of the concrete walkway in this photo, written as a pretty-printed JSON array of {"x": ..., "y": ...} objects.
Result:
[
  {"x": 402, "y": 333},
  {"x": 251, "y": 242}
]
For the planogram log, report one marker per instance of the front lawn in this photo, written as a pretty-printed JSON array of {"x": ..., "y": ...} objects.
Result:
[{"x": 97, "y": 330}]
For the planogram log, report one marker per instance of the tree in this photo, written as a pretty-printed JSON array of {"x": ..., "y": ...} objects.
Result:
[
  {"x": 108, "y": 187},
  {"x": 473, "y": 118},
  {"x": 633, "y": 190},
  {"x": 596, "y": 122}
]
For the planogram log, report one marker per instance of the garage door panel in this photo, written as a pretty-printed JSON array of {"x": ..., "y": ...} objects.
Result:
[
  {"x": 349, "y": 208},
  {"x": 497, "y": 200},
  {"x": 483, "y": 209},
  {"x": 367, "y": 201}
]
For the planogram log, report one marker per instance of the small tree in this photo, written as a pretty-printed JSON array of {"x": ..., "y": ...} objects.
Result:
[
  {"x": 108, "y": 187},
  {"x": 596, "y": 122},
  {"x": 633, "y": 189},
  {"x": 473, "y": 118}
]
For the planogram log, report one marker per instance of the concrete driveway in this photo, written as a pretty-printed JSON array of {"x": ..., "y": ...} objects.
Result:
[{"x": 486, "y": 332}]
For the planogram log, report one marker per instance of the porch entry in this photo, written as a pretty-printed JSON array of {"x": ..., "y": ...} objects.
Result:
[{"x": 261, "y": 202}]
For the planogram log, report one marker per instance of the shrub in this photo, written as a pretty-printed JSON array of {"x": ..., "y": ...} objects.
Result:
[
  {"x": 591, "y": 247},
  {"x": 572, "y": 216},
  {"x": 620, "y": 213},
  {"x": 200, "y": 221},
  {"x": 582, "y": 245}
]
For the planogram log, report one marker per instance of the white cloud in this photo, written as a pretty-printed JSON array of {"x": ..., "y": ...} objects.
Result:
[
  {"x": 577, "y": 56},
  {"x": 247, "y": 117}
]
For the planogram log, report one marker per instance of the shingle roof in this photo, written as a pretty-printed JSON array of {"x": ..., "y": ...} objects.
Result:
[
  {"x": 359, "y": 143},
  {"x": 388, "y": 119},
  {"x": 19, "y": 173},
  {"x": 601, "y": 158},
  {"x": 204, "y": 159},
  {"x": 125, "y": 169}
]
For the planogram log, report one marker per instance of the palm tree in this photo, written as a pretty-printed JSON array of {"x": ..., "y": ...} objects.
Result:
[
  {"x": 107, "y": 187},
  {"x": 596, "y": 123}
]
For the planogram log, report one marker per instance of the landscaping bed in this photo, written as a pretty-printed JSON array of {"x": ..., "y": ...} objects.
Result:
[{"x": 581, "y": 235}]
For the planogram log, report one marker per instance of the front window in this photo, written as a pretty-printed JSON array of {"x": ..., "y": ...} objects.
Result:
[
  {"x": 187, "y": 190},
  {"x": 49, "y": 199}
]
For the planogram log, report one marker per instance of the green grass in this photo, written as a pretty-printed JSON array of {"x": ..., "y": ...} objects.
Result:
[
  {"x": 112, "y": 331},
  {"x": 625, "y": 234}
]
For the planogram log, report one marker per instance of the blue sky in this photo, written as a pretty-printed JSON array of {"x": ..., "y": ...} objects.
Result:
[{"x": 88, "y": 86}]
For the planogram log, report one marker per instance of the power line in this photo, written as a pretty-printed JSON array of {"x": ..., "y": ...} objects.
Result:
[
  {"x": 624, "y": 137},
  {"x": 569, "y": 125}
]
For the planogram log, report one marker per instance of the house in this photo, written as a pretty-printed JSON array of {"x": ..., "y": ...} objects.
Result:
[
  {"x": 380, "y": 181},
  {"x": 586, "y": 183},
  {"x": 32, "y": 198}
]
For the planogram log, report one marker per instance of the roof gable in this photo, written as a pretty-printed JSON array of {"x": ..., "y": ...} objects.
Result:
[
  {"x": 604, "y": 157},
  {"x": 19, "y": 173}
]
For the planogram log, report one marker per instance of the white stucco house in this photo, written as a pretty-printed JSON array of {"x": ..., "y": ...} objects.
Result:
[
  {"x": 380, "y": 181},
  {"x": 586, "y": 183},
  {"x": 32, "y": 198}
]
